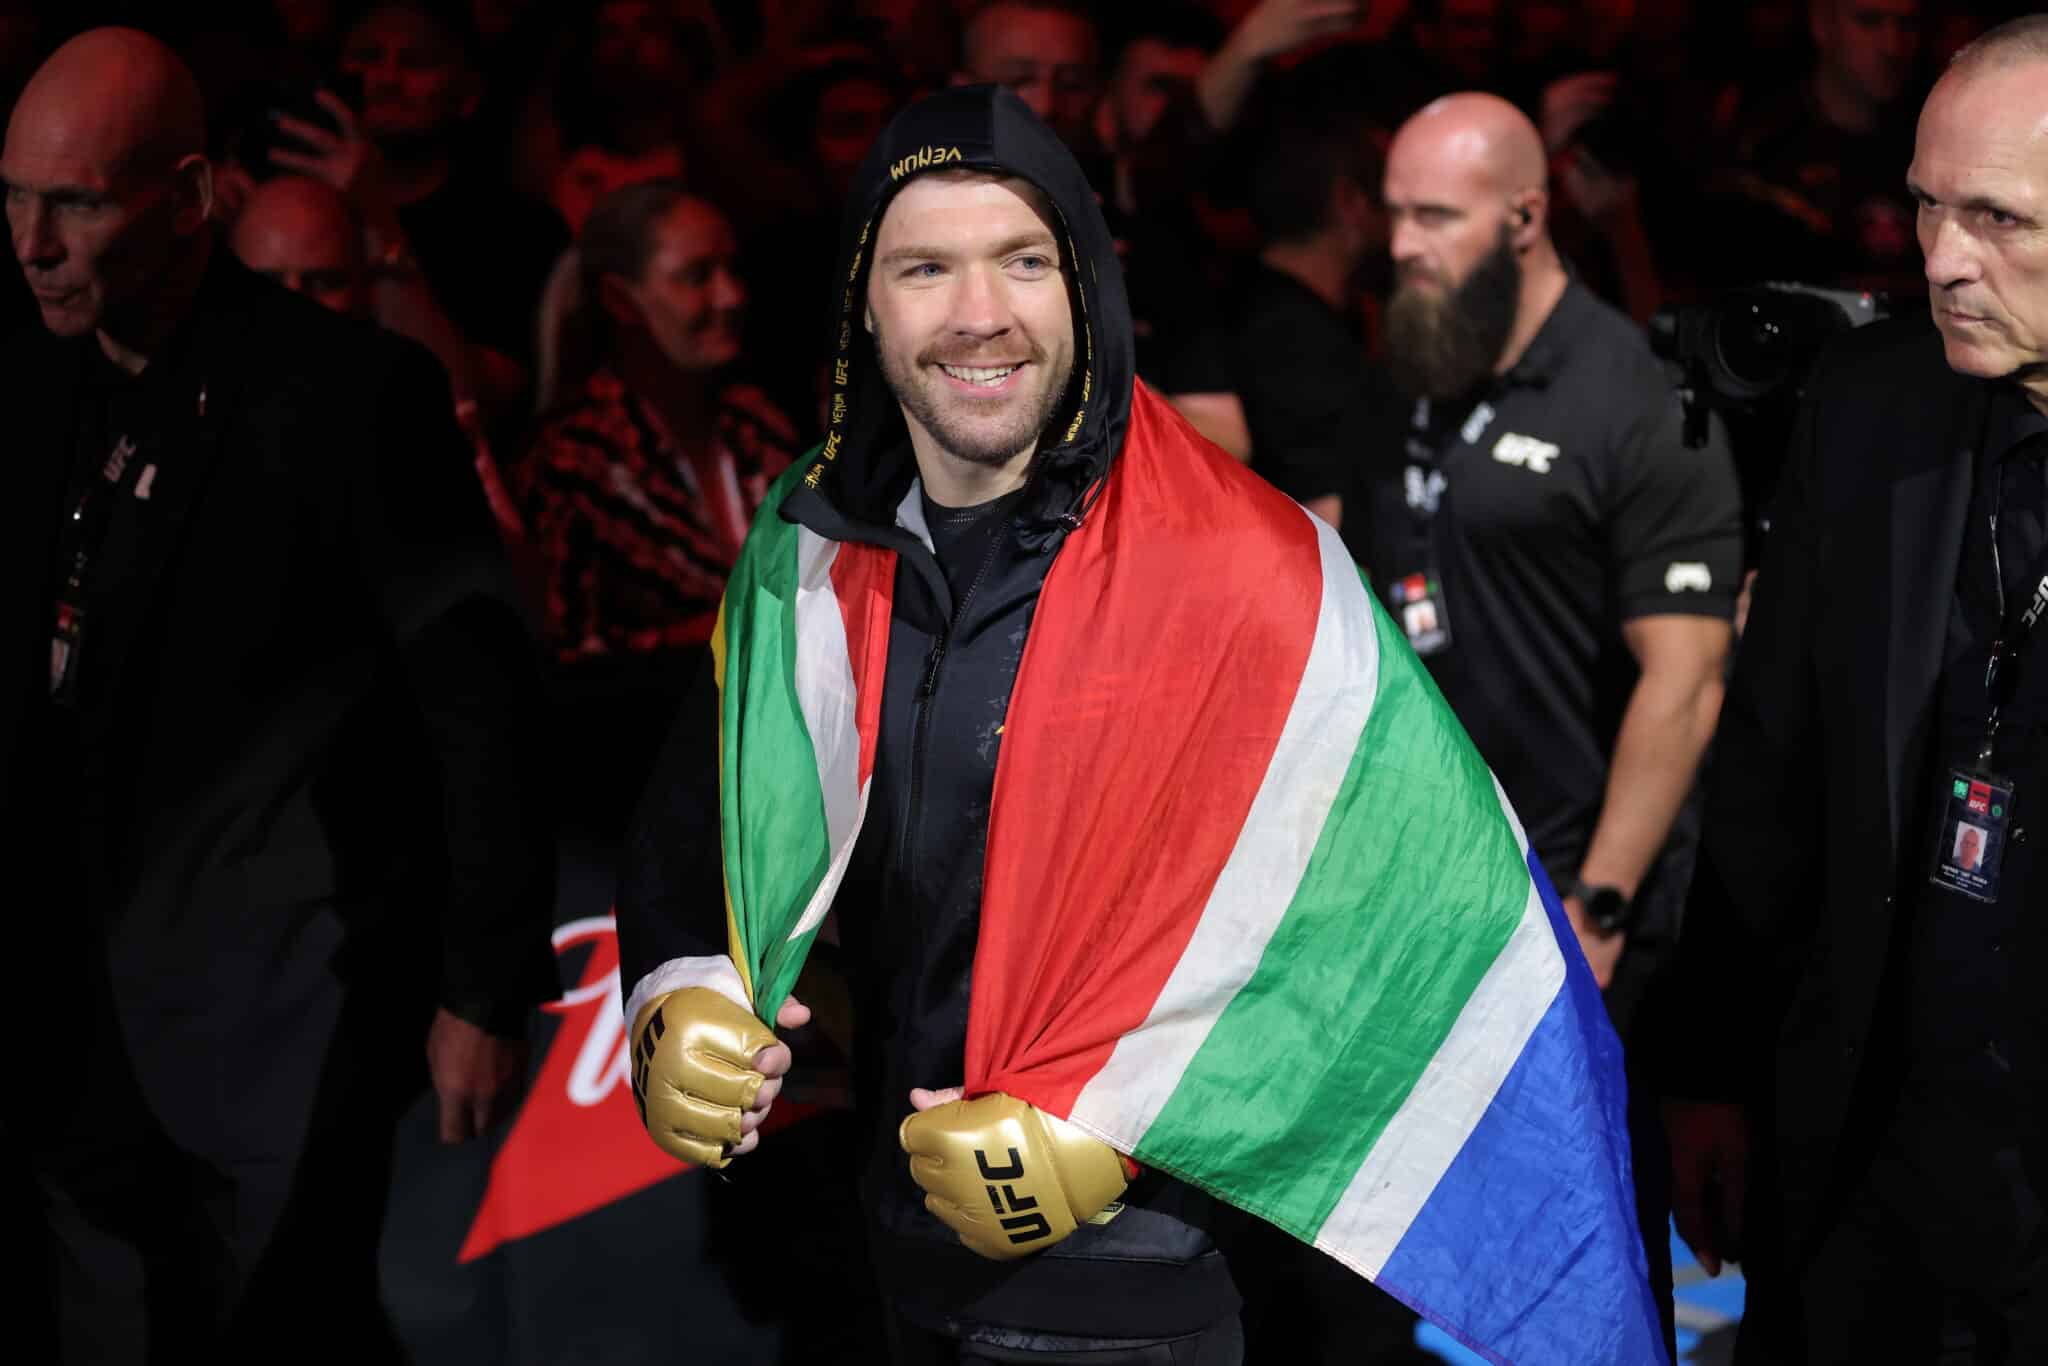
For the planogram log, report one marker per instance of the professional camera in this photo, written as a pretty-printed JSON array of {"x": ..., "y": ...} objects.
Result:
[
  {"x": 1746, "y": 356},
  {"x": 1745, "y": 349}
]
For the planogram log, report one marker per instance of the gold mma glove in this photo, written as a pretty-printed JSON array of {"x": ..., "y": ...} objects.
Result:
[
  {"x": 1007, "y": 1177},
  {"x": 693, "y": 1072}
]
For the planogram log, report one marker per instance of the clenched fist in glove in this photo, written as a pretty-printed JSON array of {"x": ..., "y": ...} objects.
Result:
[
  {"x": 1007, "y": 1177},
  {"x": 705, "y": 1072}
]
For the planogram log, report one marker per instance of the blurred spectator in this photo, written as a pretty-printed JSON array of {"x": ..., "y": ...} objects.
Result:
[
  {"x": 484, "y": 250},
  {"x": 1460, "y": 42},
  {"x": 1161, "y": 52},
  {"x": 302, "y": 233},
  {"x": 1178, "y": 93},
  {"x": 1311, "y": 395},
  {"x": 1599, "y": 138},
  {"x": 1049, "y": 52},
  {"x": 643, "y": 482},
  {"x": 625, "y": 86},
  {"x": 1814, "y": 191}
]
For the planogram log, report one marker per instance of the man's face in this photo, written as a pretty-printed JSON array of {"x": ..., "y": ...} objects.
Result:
[
  {"x": 1973, "y": 848},
  {"x": 1869, "y": 45},
  {"x": 635, "y": 48},
  {"x": 415, "y": 86},
  {"x": 1457, "y": 279},
  {"x": 93, "y": 229},
  {"x": 1147, "y": 77},
  {"x": 689, "y": 298},
  {"x": 968, "y": 306},
  {"x": 1466, "y": 38},
  {"x": 1047, "y": 57},
  {"x": 851, "y": 115},
  {"x": 307, "y": 247},
  {"x": 1980, "y": 177}
]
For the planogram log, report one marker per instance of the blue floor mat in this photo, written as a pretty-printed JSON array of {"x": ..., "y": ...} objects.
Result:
[{"x": 1708, "y": 1310}]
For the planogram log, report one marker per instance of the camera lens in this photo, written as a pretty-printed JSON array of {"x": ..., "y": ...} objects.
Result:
[{"x": 1756, "y": 346}]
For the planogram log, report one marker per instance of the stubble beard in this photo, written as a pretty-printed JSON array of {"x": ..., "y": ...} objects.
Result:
[
  {"x": 1444, "y": 345},
  {"x": 991, "y": 444}
]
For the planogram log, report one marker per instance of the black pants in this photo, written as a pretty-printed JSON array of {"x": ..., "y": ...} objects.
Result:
[
  {"x": 1220, "y": 1345},
  {"x": 1899, "y": 1279},
  {"x": 160, "y": 1254}
]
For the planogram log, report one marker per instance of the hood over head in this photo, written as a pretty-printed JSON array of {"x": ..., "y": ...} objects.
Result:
[{"x": 865, "y": 466}]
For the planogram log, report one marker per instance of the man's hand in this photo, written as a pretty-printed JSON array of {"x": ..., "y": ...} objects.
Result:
[
  {"x": 1601, "y": 947},
  {"x": 1007, "y": 1177},
  {"x": 346, "y": 160},
  {"x": 476, "y": 1075},
  {"x": 1709, "y": 1173},
  {"x": 1277, "y": 27},
  {"x": 1606, "y": 200},
  {"x": 706, "y": 1073},
  {"x": 1570, "y": 102},
  {"x": 1273, "y": 28}
]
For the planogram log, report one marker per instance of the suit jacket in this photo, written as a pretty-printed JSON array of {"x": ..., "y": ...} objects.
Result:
[
  {"x": 1811, "y": 848},
  {"x": 305, "y": 686}
]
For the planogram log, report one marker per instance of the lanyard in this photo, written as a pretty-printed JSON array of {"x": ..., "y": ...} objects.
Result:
[
  {"x": 2014, "y": 627},
  {"x": 85, "y": 531}
]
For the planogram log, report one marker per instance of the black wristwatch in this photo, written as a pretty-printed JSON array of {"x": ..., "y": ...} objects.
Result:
[{"x": 1607, "y": 910}]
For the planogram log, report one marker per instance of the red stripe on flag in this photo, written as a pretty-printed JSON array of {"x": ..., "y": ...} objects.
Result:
[
  {"x": 864, "y": 581},
  {"x": 1159, "y": 672}
]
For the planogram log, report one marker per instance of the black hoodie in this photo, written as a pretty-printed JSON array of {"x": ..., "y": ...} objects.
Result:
[{"x": 909, "y": 910}]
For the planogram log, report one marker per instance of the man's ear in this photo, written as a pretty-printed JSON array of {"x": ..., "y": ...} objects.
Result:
[
  {"x": 615, "y": 297},
  {"x": 193, "y": 176},
  {"x": 868, "y": 319},
  {"x": 1528, "y": 218}
]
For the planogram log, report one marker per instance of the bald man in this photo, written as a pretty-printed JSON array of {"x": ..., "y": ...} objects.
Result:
[
  {"x": 1859, "y": 1058},
  {"x": 255, "y": 733},
  {"x": 301, "y": 233},
  {"x": 1565, "y": 564}
]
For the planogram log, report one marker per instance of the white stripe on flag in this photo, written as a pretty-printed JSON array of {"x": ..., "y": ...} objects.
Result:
[
  {"x": 1401, "y": 1172},
  {"x": 1258, "y": 883},
  {"x": 825, "y": 692}
]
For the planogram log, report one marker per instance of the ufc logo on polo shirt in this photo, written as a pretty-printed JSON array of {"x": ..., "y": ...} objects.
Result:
[{"x": 1525, "y": 451}]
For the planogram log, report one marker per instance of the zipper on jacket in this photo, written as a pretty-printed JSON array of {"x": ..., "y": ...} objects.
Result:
[{"x": 920, "y": 726}]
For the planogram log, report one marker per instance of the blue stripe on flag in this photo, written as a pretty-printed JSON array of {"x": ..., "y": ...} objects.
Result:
[{"x": 1528, "y": 1249}]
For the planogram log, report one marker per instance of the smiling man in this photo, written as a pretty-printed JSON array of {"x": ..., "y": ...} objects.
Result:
[
  {"x": 1860, "y": 1044},
  {"x": 1048, "y": 702}
]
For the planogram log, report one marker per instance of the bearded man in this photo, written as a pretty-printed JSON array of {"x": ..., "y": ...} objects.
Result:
[
  {"x": 1564, "y": 563},
  {"x": 1099, "y": 753},
  {"x": 1562, "y": 560}
]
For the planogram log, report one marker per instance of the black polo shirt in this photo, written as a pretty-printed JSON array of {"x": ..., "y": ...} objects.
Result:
[
  {"x": 1534, "y": 519},
  {"x": 1311, "y": 395}
]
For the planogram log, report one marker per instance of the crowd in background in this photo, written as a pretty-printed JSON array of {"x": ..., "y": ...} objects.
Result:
[
  {"x": 615, "y": 224},
  {"x": 432, "y": 162}
]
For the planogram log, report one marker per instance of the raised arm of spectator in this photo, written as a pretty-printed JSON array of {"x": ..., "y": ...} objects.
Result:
[
  {"x": 1272, "y": 29},
  {"x": 402, "y": 297},
  {"x": 749, "y": 176}
]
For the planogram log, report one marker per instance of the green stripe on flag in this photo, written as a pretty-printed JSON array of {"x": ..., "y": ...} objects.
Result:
[
  {"x": 771, "y": 809},
  {"x": 1356, "y": 990}
]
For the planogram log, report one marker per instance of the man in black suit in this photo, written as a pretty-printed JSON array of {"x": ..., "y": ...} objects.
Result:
[
  {"x": 261, "y": 698},
  {"x": 1860, "y": 1050}
]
